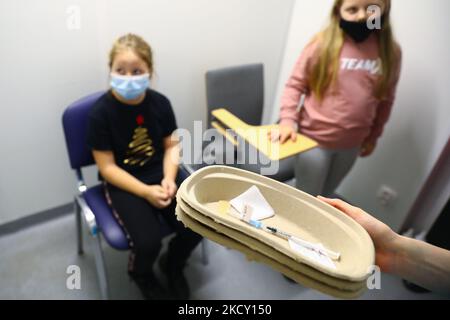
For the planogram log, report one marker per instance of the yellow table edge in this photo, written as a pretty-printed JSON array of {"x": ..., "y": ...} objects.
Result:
[{"x": 257, "y": 136}]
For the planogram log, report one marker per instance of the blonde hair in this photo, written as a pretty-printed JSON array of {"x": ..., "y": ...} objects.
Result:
[
  {"x": 331, "y": 40},
  {"x": 135, "y": 43}
]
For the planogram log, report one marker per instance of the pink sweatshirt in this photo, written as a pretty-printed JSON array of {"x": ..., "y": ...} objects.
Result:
[{"x": 350, "y": 114}]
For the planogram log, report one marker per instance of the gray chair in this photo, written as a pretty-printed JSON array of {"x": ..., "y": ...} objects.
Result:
[{"x": 240, "y": 90}]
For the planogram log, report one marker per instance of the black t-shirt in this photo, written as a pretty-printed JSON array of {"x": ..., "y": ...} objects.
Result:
[{"x": 134, "y": 133}]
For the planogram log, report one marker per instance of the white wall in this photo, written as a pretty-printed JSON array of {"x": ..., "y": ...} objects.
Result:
[
  {"x": 420, "y": 123},
  {"x": 45, "y": 66}
]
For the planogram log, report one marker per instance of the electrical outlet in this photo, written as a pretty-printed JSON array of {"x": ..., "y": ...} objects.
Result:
[{"x": 386, "y": 195}]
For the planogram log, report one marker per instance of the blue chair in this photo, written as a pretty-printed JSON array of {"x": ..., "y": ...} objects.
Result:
[{"x": 90, "y": 203}]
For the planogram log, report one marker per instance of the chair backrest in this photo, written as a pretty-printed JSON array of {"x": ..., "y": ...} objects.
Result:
[
  {"x": 75, "y": 122},
  {"x": 238, "y": 89}
]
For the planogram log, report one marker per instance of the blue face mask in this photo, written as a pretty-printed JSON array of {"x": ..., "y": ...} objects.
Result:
[{"x": 130, "y": 87}]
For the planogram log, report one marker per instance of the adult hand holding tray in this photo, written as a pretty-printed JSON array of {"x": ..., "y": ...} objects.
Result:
[{"x": 258, "y": 138}]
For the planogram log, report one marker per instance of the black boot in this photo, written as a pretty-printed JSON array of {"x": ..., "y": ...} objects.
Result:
[
  {"x": 150, "y": 287},
  {"x": 178, "y": 284}
]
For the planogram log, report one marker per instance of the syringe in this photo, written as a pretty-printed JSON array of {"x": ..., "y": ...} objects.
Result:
[{"x": 276, "y": 231}]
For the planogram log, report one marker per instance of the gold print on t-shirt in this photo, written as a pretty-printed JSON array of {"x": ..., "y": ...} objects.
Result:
[{"x": 140, "y": 149}]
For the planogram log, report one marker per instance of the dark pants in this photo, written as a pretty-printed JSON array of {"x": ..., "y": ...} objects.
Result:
[{"x": 142, "y": 223}]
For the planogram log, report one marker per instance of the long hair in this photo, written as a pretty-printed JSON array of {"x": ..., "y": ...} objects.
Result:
[{"x": 331, "y": 40}]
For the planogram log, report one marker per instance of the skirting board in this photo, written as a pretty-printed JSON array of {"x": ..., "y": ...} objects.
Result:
[{"x": 35, "y": 219}]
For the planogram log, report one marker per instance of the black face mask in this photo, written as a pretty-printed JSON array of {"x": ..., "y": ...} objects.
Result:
[{"x": 358, "y": 31}]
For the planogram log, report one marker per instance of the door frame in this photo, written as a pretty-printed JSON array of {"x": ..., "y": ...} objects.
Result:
[{"x": 432, "y": 198}]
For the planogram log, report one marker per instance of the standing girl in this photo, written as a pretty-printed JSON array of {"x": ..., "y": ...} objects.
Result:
[
  {"x": 130, "y": 130},
  {"x": 349, "y": 74}
]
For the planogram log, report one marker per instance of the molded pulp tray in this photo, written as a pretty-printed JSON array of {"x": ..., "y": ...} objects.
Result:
[
  {"x": 253, "y": 255},
  {"x": 262, "y": 248},
  {"x": 295, "y": 212}
]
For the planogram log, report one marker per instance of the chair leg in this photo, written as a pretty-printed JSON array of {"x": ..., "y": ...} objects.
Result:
[
  {"x": 101, "y": 269},
  {"x": 205, "y": 259},
  {"x": 78, "y": 227}
]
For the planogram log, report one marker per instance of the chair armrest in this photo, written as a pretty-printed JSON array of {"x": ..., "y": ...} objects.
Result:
[
  {"x": 223, "y": 132},
  {"x": 188, "y": 168},
  {"x": 229, "y": 120}
]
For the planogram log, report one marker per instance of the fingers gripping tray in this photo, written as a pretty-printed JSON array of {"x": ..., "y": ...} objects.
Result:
[{"x": 201, "y": 196}]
